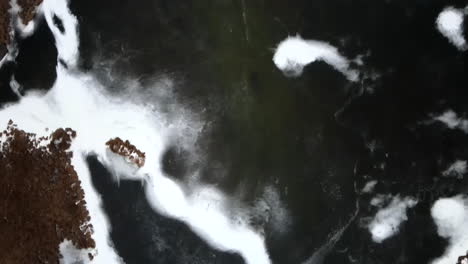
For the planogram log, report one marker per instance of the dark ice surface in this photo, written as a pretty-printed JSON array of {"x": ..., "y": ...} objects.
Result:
[{"x": 308, "y": 137}]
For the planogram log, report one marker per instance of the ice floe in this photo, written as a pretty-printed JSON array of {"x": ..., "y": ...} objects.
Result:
[{"x": 294, "y": 53}]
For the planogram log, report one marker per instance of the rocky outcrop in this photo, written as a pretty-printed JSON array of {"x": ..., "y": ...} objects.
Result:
[
  {"x": 28, "y": 9},
  {"x": 127, "y": 151},
  {"x": 4, "y": 27},
  {"x": 41, "y": 200}
]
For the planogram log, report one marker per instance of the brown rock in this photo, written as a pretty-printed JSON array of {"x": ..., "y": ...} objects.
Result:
[
  {"x": 41, "y": 201},
  {"x": 127, "y": 150}
]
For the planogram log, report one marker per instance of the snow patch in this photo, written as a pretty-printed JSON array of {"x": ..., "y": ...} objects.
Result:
[
  {"x": 70, "y": 254},
  {"x": 101, "y": 227},
  {"x": 456, "y": 169},
  {"x": 78, "y": 101},
  {"x": 388, "y": 219},
  {"x": 119, "y": 166},
  {"x": 369, "y": 187},
  {"x": 451, "y": 216},
  {"x": 294, "y": 53},
  {"x": 452, "y": 121},
  {"x": 450, "y": 24}
]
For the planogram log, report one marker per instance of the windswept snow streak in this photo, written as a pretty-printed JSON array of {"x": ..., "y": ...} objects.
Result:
[
  {"x": 451, "y": 217},
  {"x": 450, "y": 24},
  {"x": 386, "y": 222},
  {"x": 294, "y": 53},
  {"x": 79, "y": 102}
]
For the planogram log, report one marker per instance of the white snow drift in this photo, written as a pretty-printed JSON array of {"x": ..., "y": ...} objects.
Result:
[
  {"x": 294, "y": 53},
  {"x": 450, "y": 24},
  {"x": 387, "y": 221}
]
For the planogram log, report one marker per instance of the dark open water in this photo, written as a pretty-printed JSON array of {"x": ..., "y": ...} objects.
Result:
[{"x": 305, "y": 136}]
